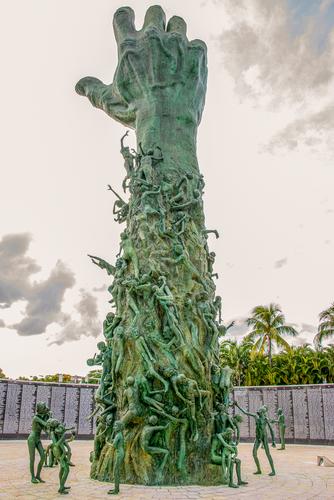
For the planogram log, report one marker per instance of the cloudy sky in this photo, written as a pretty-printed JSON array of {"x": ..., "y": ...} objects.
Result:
[{"x": 266, "y": 148}]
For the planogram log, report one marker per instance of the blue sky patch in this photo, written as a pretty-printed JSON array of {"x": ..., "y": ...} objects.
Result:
[{"x": 301, "y": 13}]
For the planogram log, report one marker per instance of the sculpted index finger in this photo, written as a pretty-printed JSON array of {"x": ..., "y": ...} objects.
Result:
[{"x": 124, "y": 24}]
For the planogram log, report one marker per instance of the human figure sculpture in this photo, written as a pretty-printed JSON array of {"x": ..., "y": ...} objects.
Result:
[
  {"x": 53, "y": 425},
  {"x": 230, "y": 459},
  {"x": 118, "y": 444},
  {"x": 129, "y": 253},
  {"x": 271, "y": 430},
  {"x": 148, "y": 432},
  {"x": 281, "y": 427},
  {"x": 100, "y": 435},
  {"x": 223, "y": 420},
  {"x": 226, "y": 383},
  {"x": 182, "y": 257},
  {"x": 120, "y": 208},
  {"x": 166, "y": 300},
  {"x": 104, "y": 429},
  {"x": 104, "y": 359},
  {"x": 182, "y": 218},
  {"x": 115, "y": 289},
  {"x": 103, "y": 264},
  {"x": 132, "y": 400},
  {"x": 146, "y": 393},
  {"x": 109, "y": 324},
  {"x": 190, "y": 391},
  {"x": 49, "y": 460},
  {"x": 104, "y": 399},
  {"x": 177, "y": 417},
  {"x": 118, "y": 350},
  {"x": 261, "y": 423},
  {"x": 128, "y": 156},
  {"x": 130, "y": 285},
  {"x": 211, "y": 257},
  {"x": 217, "y": 381},
  {"x": 39, "y": 423},
  {"x": 60, "y": 449},
  {"x": 208, "y": 316},
  {"x": 237, "y": 419}
]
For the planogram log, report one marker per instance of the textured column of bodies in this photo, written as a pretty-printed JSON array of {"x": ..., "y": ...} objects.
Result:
[{"x": 163, "y": 338}]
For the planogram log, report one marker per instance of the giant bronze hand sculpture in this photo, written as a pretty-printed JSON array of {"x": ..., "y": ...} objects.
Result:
[
  {"x": 159, "y": 84},
  {"x": 162, "y": 338}
]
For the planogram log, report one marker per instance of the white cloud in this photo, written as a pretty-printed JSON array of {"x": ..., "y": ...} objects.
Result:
[
  {"x": 43, "y": 300},
  {"x": 274, "y": 64},
  {"x": 285, "y": 65},
  {"x": 88, "y": 324},
  {"x": 313, "y": 130},
  {"x": 16, "y": 268},
  {"x": 280, "y": 263}
]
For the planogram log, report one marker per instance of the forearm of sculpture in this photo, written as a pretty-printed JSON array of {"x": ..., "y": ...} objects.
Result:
[
  {"x": 42, "y": 422},
  {"x": 225, "y": 444},
  {"x": 238, "y": 434},
  {"x": 177, "y": 392},
  {"x": 53, "y": 438},
  {"x": 246, "y": 412},
  {"x": 175, "y": 135},
  {"x": 271, "y": 430}
]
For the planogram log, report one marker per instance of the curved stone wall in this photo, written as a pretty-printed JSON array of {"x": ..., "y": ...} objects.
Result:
[{"x": 308, "y": 409}]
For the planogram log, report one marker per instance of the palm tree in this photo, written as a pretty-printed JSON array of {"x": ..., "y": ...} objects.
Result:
[
  {"x": 326, "y": 326},
  {"x": 269, "y": 327},
  {"x": 236, "y": 356}
]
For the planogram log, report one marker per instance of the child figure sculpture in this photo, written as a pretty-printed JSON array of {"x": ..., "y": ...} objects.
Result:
[
  {"x": 60, "y": 450},
  {"x": 230, "y": 459},
  {"x": 118, "y": 444}
]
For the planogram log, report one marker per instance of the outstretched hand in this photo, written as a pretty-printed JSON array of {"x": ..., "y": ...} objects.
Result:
[{"x": 154, "y": 65}]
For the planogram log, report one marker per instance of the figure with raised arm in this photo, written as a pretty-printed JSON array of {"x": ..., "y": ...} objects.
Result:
[
  {"x": 261, "y": 423},
  {"x": 103, "y": 264},
  {"x": 271, "y": 430}
]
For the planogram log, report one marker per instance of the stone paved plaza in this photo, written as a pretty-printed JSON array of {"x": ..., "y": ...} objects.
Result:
[{"x": 297, "y": 477}]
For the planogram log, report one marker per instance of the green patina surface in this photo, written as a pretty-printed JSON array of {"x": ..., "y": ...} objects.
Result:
[{"x": 161, "y": 380}]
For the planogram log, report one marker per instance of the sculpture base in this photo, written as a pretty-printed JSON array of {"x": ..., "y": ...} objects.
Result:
[{"x": 197, "y": 469}]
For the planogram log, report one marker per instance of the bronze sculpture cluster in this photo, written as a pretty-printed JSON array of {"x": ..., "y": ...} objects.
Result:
[
  {"x": 224, "y": 445},
  {"x": 58, "y": 451}
]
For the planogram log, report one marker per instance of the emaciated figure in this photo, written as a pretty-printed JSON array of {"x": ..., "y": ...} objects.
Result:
[
  {"x": 60, "y": 449},
  {"x": 39, "y": 423},
  {"x": 118, "y": 444},
  {"x": 230, "y": 459},
  {"x": 261, "y": 423},
  {"x": 147, "y": 435},
  {"x": 281, "y": 427}
]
